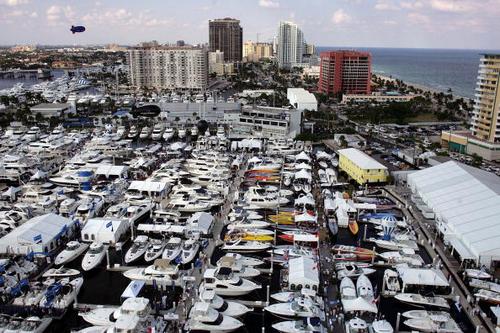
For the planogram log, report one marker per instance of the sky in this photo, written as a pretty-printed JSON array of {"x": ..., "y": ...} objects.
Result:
[{"x": 461, "y": 24}]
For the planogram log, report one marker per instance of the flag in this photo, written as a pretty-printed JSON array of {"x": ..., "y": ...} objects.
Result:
[
  {"x": 109, "y": 224},
  {"x": 38, "y": 239}
]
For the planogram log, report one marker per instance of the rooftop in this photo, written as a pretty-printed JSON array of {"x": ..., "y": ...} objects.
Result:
[
  {"x": 361, "y": 159},
  {"x": 51, "y": 106}
]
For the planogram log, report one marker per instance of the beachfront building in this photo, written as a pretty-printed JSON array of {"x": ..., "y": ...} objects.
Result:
[
  {"x": 167, "y": 67},
  {"x": 377, "y": 97},
  {"x": 254, "y": 52},
  {"x": 302, "y": 99},
  {"x": 361, "y": 167},
  {"x": 226, "y": 35},
  {"x": 484, "y": 137},
  {"x": 347, "y": 72},
  {"x": 290, "y": 48}
]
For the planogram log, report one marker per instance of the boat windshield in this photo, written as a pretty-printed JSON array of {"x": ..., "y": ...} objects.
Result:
[
  {"x": 96, "y": 250},
  {"x": 73, "y": 247}
]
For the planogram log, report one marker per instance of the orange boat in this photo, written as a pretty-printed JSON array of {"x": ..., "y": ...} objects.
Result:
[{"x": 353, "y": 227}]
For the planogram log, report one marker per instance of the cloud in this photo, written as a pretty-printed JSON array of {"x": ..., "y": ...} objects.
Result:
[
  {"x": 13, "y": 3},
  {"x": 59, "y": 14},
  {"x": 453, "y": 6},
  {"x": 385, "y": 5},
  {"x": 417, "y": 18},
  {"x": 269, "y": 3},
  {"x": 411, "y": 5},
  {"x": 340, "y": 17},
  {"x": 390, "y": 22}
]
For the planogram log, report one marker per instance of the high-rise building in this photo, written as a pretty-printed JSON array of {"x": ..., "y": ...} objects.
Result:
[
  {"x": 226, "y": 35},
  {"x": 290, "y": 45},
  {"x": 486, "y": 112},
  {"x": 347, "y": 72},
  {"x": 253, "y": 52},
  {"x": 163, "y": 67}
]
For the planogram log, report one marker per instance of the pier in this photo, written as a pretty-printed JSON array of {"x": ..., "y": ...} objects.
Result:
[{"x": 26, "y": 73}]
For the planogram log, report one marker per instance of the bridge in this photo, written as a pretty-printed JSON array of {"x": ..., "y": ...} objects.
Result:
[{"x": 26, "y": 73}]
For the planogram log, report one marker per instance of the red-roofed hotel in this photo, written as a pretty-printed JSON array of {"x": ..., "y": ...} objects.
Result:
[{"x": 347, "y": 72}]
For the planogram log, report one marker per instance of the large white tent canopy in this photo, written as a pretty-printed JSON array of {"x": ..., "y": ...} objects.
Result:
[{"x": 466, "y": 203}]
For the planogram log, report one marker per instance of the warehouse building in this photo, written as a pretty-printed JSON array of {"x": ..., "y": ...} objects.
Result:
[
  {"x": 302, "y": 99},
  {"x": 466, "y": 205},
  {"x": 361, "y": 167}
]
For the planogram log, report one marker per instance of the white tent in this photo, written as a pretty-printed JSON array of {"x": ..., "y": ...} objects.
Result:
[
  {"x": 305, "y": 200},
  {"x": 118, "y": 171},
  {"x": 303, "y": 174},
  {"x": 303, "y": 166},
  {"x": 151, "y": 189},
  {"x": 303, "y": 272},
  {"x": 104, "y": 230},
  {"x": 201, "y": 222},
  {"x": 302, "y": 156},
  {"x": 466, "y": 205},
  {"x": 421, "y": 276},
  {"x": 133, "y": 289}
]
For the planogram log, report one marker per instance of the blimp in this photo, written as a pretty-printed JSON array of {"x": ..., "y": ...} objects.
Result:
[{"x": 77, "y": 28}]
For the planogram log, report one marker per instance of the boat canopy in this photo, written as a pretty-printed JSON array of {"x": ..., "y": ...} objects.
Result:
[
  {"x": 133, "y": 289},
  {"x": 303, "y": 174},
  {"x": 161, "y": 228},
  {"x": 303, "y": 271},
  {"x": 112, "y": 171},
  {"x": 303, "y": 166},
  {"x": 302, "y": 156},
  {"x": 421, "y": 276},
  {"x": 359, "y": 305}
]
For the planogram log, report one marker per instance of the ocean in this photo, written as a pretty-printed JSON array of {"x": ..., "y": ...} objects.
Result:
[{"x": 438, "y": 69}]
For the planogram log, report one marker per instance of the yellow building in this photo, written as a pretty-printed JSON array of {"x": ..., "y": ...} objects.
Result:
[
  {"x": 361, "y": 167},
  {"x": 253, "y": 52}
]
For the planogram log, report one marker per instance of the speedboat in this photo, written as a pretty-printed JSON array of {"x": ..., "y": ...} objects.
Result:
[
  {"x": 228, "y": 285},
  {"x": 154, "y": 250},
  {"x": 237, "y": 268},
  {"x": 477, "y": 274},
  {"x": 157, "y": 132},
  {"x": 60, "y": 272},
  {"x": 206, "y": 319},
  {"x": 244, "y": 260},
  {"x": 228, "y": 308},
  {"x": 307, "y": 325},
  {"x": 438, "y": 316},
  {"x": 391, "y": 283},
  {"x": 107, "y": 315},
  {"x": 168, "y": 134},
  {"x": 145, "y": 133},
  {"x": 94, "y": 256},
  {"x": 242, "y": 246},
  {"x": 161, "y": 272},
  {"x": 133, "y": 133},
  {"x": 60, "y": 294},
  {"x": 72, "y": 251},
  {"x": 137, "y": 249},
  {"x": 172, "y": 249},
  {"x": 353, "y": 270},
  {"x": 417, "y": 299},
  {"x": 428, "y": 325},
  {"x": 381, "y": 326},
  {"x": 299, "y": 307},
  {"x": 34, "y": 325},
  {"x": 189, "y": 250},
  {"x": 356, "y": 325}
]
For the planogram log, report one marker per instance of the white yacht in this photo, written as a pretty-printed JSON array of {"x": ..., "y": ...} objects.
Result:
[
  {"x": 236, "y": 268},
  {"x": 133, "y": 133},
  {"x": 173, "y": 249},
  {"x": 168, "y": 134},
  {"x": 89, "y": 207},
  {"x": 227, "y": 285},
  {"x": 194, "y": 130},
  {"x": 121, "y": 132},
  {"x": 107, "y": 315},
  {"x": 301, "y": 306},
  {"x": 145, "y": 133},
  {"x": 161, "y": 272},
  {"x": 94, "y": 256},
  {"x": 181, "y": 133},
  {"x": 155, "y": 249},
  {"x": 307, "y": 325},
  {"x": 190, "y": 206},
  {"x": 189, "y": 250},
  {"x": 32, "y": 134},
  {"x": 158, "y": 130},
  {"x": 60, "y": 294},
  {"x": 417, "y": 299},
  {"x": 72, "y": 251},
  {"x": 137, "y": 249},
  {"x": 242, "y": 246},
  {"x": 60, "y": 272},
  {"x": 228, "y": 308},
  {"x": 244, "y": 260},
  {"x": 203, "y": 318}
]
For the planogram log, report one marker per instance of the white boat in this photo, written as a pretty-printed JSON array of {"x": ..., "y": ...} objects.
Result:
[
  {"x": 403, "y": 256},
  {"x": 391, "y": 285},
  {"x": 34, "y": 325},
  {"x": 244, "y": 260},
  {"x": 488, "y": 296},
  {"x": 353, "y": 270},
  {"x": 438, "y": 316},
  {"x": 181, "y": 133},
  {"x": 161, "y": 272},
  {"x": 248, "y": 224},
  {"x": 428, "y": 325},
  {"x": 364, "y": 288},
  {"x": 133, "y": 133},
  {"x": 237, "y": 268},
  {"x": 94, "y": 256},
  {"x": 168, "y": 134},
  {"x": 477, "y": 274},
  {"x": 356, "y": 325},
  {"x": 157, "y": 132},
  {"x": 172, "y": 249},
  {"x": 287, "y": 296},
  {"x": 72, "y": 251},
  {"x": 155, "y": 249},
  {"x": 206, "y": 319},
  {"x": 298, "y": 307},
  {"x": 60, "y": 272},
  {"x": 61, "y": 293},
  {"x": 380, "y": 326},
  {"x": 394, "y": 244},
  {"x": 137, "y": 249},
  {"x": 100, "y": 316},
  {"x": 228, "y": 308},
  {"x": 145, "y": 133},
  {"x": 189, "y": 250},
  {"x": 417, "y": 299},
  {"x": 242, "y": 246},
  {"x": 227, "y": 285},
  {"x": 108, "y": 315},
  {"x": 307, "y": 325}
]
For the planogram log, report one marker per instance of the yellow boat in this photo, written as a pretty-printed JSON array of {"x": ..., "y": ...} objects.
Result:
[
  {"x": 250, "y": 237},
  {"x": 282, "y": 219}
]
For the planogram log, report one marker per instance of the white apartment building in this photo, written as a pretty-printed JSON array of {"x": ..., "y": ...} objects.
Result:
[
  {"x": 290, "y": 45},
  {"x": 165, "y": 67},
  {"x": 302, "y": 99}
]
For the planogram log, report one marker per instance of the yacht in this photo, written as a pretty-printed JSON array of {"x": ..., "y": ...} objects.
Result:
[
  {"x": 32, "y": 134},
  {"x": 161, "y": 272},
  {"x": 203, "y": 318},
  {"x": 60, "y": 272},
  {"x": 429, "y": 325},
  {"x": 173, "y": 249},
  {"x": 34, "y": 325},
  {"x": 242, "y": 246},
  {"x": 107, "y": 315},
  {"x": 89, "y": 207},
  {"x": 189, "y": 250},
  {"x": 68, "y": 207},
  {"x": 189, "y": 206},
  {"x": 391, "y": 283},
  {"x": 158, "y": 130},
  {"x": 137, "y": 249},
  {"x": 72, "y": 251},
  {"x": 301, "y": 306},
  {"x": 228, "y": 308},
  {"x": 155, "y": 249},
  {"x": 94, "y": 256},
  {"x": 417, "y": 299},
  {"x": 194, "y": 131},
  {"x": 424, "y": 314},
  {"x": 307, "y": 325},
  {"x": 60, "y": 294},
  {"x": 168, "y": 134},
  {"x": 236, "y": 268},
  {"x": 145, "y": 133},
  {"x": 244, "y": 260},
  {"x": 121, "y": 132},
  {"x": 248, "y": 224},
  {"x": 181, "y": 133},
  {"x": 356, "y": 325},
  {"x": 133, "y": 133},
  {"x": 227, "y": 285}
]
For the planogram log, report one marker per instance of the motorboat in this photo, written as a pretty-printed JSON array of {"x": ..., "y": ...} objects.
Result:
[
  {"x": 137, "y": 249},
  {"x": 488, "y": 296},
  {"x": 403, "y": 256},
  {"x": 356, "y": 325},
  {"x": 181, "y": 133},
  {"x": 60, "y": 272},
  {"x": 133, "y": 133},
  {"x": 155, "y": 249},
  {"x": 353, "y": 270},
  {"x": 161, "y": 272},
  {"x": 189, "y": 250},
  {"x": 68, "y": 207},
  {"x": 194, "y": 131},
  {"x": 203, "y": 318},
  {"x": 189, "y": 206},
  {"x": 477, "y": 274},
  {"x": 168, "y": 134},
  {"x": 228, "y": 285},
  {"x": 236, "y": 268},
  {"x": 364, "y": 288},
  {"x": 34, "y": 324},
  {"x": 287, "y": 296},
  {"x": 228, "y": 308},
  {"x": 72, "y": 251},
  {"x": 428, "y": 325},
  {"x": 437, "y": 316},
  {"x": 61, "y": 293},
  {"x": 244, "y": 260},
  {"x": 390, "y": 285},
  {"x": 94, "y": 256},
  {"x": 428, "y": 301},
  {"x": 108, "y": 315},
  {"x": 381, "y": 326},
  {"x": 308, "y": 325},
  {"x": 145, "y": 133},
  {"x": 157, "y": 132},
  {"x": 299, "y": 307},
  {"x": 248, "y": 224},
  {"x": 242, "y": 246},
  {"x": 394, "y": 244},
  {"x": 172, "y": 249}
]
